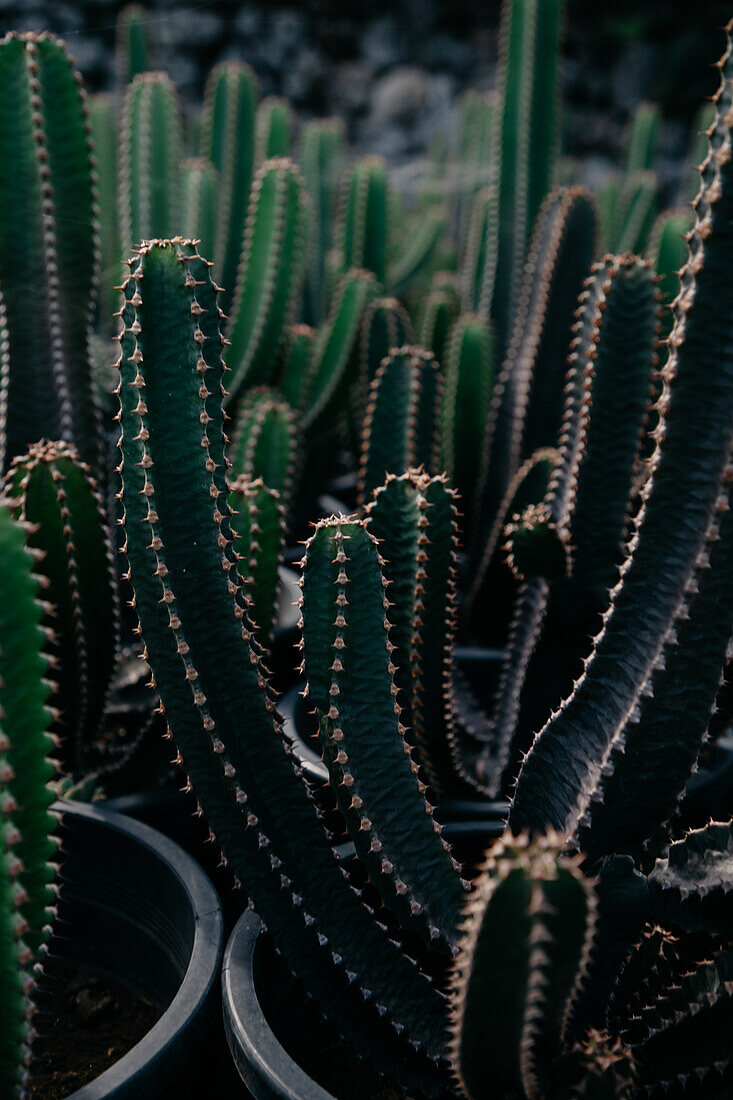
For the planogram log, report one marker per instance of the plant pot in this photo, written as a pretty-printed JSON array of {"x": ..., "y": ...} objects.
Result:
[
  {"x": 263, "y": 1063},
  {"x": 137, "y": 911}
]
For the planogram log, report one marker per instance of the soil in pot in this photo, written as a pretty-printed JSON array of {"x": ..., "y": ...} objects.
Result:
[{"x": 85, "y": 1024}]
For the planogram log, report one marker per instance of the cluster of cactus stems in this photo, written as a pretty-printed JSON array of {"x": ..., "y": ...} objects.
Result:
[{"x": 533, "y": 468}]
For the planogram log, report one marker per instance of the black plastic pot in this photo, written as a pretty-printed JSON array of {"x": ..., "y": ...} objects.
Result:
[
  {"x": 136, "y": 910},
  {"x": 248, "y": 997}
]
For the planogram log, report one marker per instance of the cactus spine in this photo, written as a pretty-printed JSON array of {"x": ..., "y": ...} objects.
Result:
[
  {"x": 227, "y": 141},
  {"x": 48, "y": 241}
]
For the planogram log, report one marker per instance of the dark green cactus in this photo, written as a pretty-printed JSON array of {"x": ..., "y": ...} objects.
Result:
[
  {"x": 414, "y": 261},
  {"x": 54, "y": 492},
  {"x": 296, "y": 361},
  {"x": 363, "y": 228},
  {"x": 265, "y": 443},
  {"x": 27, "y": 846},
  {"x": 439, "y": 310},
  {"x": 273, "y": 129},
  {"x": 476, "y": 161},
  {"x": 258, "y": 523},
  {"x": 635, "y": 211},
  {"x": 361, "y": 729},
  {"x": 413, "y": 518},
  {"x": 178, "y": 538},
  {"x": 402, "y": 418},
  {"x": 227, "y": 141},
  {"x": 104, "y": 136},
  {"x": 643, "y": 138},
  {"x": 385, "y": 325},
  {"x": 48, "y": 241},
  {"x": 133, "y": 44},
  {"x": 701, "y": 132},
  {"x": 270, "y": 273},
  {"x": 200, "y": 202},
  {"x": 669, "y": 541},
  {"x": 322, "y": 154},
  {"x": 151, "y": 141},
  {"x": 468, "y": 376}
]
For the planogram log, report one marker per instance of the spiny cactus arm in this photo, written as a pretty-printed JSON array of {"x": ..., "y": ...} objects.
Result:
[
  {"x": 646, "y": 773},
  {"x": 362, "y": 230},
  {"x": 270, "y": 273},
  {"x": 55, "y": 492},
  {"x": 335, "y": 342},
  {"x": 322, "y": 153},
  {"x": 416, "y": 255},
  {"x": 350, "y": 671},
  {"x": 48, "y": 241},
  {"x": 643, "y": 138},
  {"x": 385, "y": 325},
  {"x": 529, "y": 122},
  {"x": 607, "y": 201},
  {"x": 273, "y": 129},
  {"x": 265, "y": 442},
  {"x": 258, "y": 523},
  {"x": 227, "y": 141},
  {"x": 133, "y": 44},
  {"x": 413, "y": 518},
  {"x": 527, "y": 400},
  {"x": 668, "y": 253},
  {"x": 689, "y": 463},
  {"x": 468, "y": 374},
  {"x": 152, "y": 140},
  {"x": 200, "y": 202},
  {"x": 692, "y": 887},
  {"x": 479, "y": 265},
  {"x": 226, "y": 726},
  {"x": 477, "y": 159},
  {"x": 402, "y": 418},
  {"x": 296, "y": 359},
  {"x": 17, "y": 983},
  {"x": 104, "y": 136},
  {"x": 438, "y": 312},
  {"x": 635, "y": 211},
  {"x": 526, "y": 934}
]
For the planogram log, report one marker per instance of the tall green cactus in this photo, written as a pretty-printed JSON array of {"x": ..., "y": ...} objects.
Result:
[
  {"x": 413, "y": 518},
  {"x": 476, "y": 161},
  {"x": 270, "y": 274},
  {"x": 273, "y": 129},
  {"x": 361, "y": 731},
  {"x": 669, "y": 550},
  {"x": 468, "y": 379},
  {"x": 151, "y": 146},
  {"x": 363, "y": 227},
  {"x": 200, "y": 202},
  {"x": 27, "y": 846},
  {"x": 265, "y": 443},
  {"x": 179, "y": 547},
  {"x": 438, "y": 311},
  {"x": 402, "y": 418},
  {"x": 48, "y": 242},
  {"x": 104, "y": 136},
  {"x": 258, "y": 523},
  {"x": 296, "y": 357},
  {"x": 133, "y": 44},
  {"x": 227, "y": 141},
  {"x": 54, "y": 492},
  {"x": 385, "y": 325},
  {"x": 322, "y": 154}
]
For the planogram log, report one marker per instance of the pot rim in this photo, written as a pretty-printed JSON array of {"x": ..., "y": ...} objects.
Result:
[
  {"x": 263, "y": 1064},
  {"x": 195, "y": 991}
]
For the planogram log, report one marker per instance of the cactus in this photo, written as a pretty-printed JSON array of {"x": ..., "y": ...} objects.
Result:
[
  {"x": 385, "y": 325},
  {"x": 151, "y": 144},
  {"x": 265, "y": 443},
  {"x": 468, "y": 379},
  {"x": 475, "y": 156},
  {"x": 670, "y": 548},
  {"x": 415, "y": 259},
  {"x": 54, "y": 491},
  {"x": 270, "y": 273},
  {"x": 635, "y": 211},
  {"x": 643, "y": 138},
  {"x": 199, "y": 205},
  {"x": 104, "y": 136},
  {"x": 27, "y": 846},
  {"x": 241, "y": 767},
  {"x": 133, "y": 44},
  {"x": 363, "y": 232},
  {"x": 296, "y": 361},
  {"x": 273, "y": 129},
  {"x": 701, "y": 128},
  {"x": 413, "y": 518},
  {"x": 258, "y": 524},
  {"x": 401, "y": 423},
  {"x": 439, "y": 310},
  {"x": 322, "y": 153},
  {"x": 48, "y": 241},
  {"x": 227, "y": 141}
]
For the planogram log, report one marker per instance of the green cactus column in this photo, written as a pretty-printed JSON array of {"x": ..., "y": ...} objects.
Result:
[
  {"x": 265, "y": 442},
  {"x": 48, "y": 242},
  {"x": 200, "y": 202},
  {"x": 133, "y": 44},
  {"x": 322, "y": 154},
  {"x": 273, "y": 129},
  {"x": 104, "y": 135},
  {"x": 258, "y": 524},
  {"x": 56, "y": 493},
  {"x": 227, "y": 141},
  {"x": 363, "y": 232}
]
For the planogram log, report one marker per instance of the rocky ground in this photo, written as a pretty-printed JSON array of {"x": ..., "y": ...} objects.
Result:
[{"x": 394, "y": 71}]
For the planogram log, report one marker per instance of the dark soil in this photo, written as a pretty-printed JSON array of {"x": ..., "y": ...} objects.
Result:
[{"x": 85, "y": 1024}]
